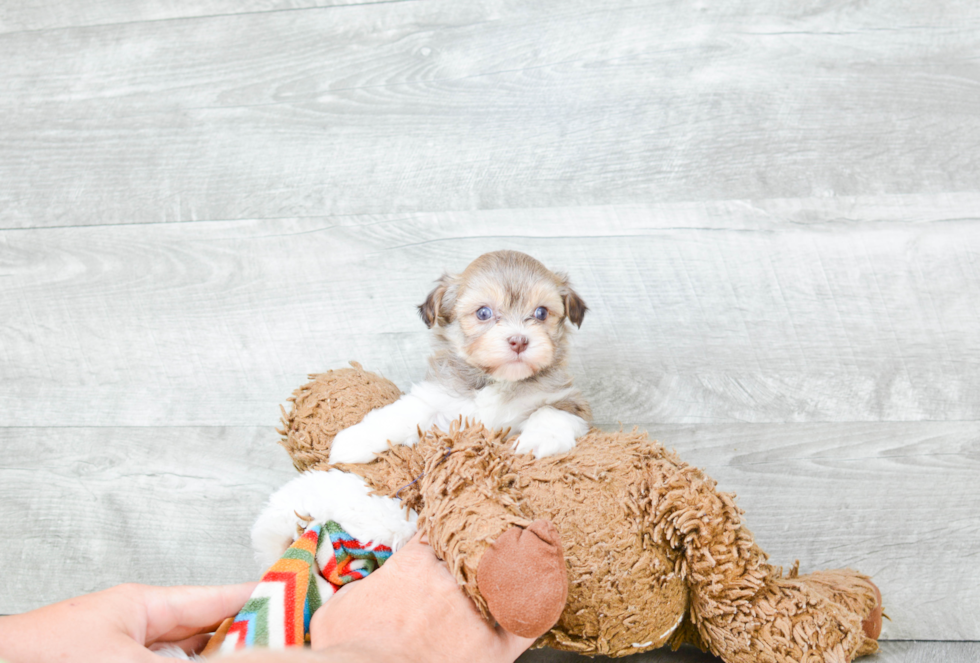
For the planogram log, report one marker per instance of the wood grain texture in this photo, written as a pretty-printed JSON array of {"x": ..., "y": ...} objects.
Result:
[
  {"x": 895, "y": 500},
  {"x": 202, "y": 202},
  {"x": 34, "y": 15},
  {"x": 891, "y": 652},
  {"x": 927, "y": 652},
  {"x": 828, "y": 310},
  {"x": 446, "y": 105},
  {"x": 85, "y": 509}
]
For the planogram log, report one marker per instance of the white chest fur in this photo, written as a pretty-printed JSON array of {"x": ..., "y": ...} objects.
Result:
[
  {"x": 496, "y": 405},
  {"x": 543, "y": 430}
]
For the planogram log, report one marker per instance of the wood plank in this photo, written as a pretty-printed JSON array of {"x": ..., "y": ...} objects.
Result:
[
  {"x": 891, "y": 652},
  {"x": 837, "y": 310},
  {"x": 809, "y": 338},
  {"x": 444, "y": 105},
  {"x": 928, "y": 652},
  {"x": 894, "y": 500},
  {"x": 85, "y": 509},
  {"x": 31, "y": 15}
]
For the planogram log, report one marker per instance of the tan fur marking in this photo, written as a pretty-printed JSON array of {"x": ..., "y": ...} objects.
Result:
[{"x": 578, "y": 407}]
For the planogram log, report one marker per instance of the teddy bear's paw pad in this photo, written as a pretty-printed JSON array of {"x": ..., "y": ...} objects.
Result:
[
  {"x": 522, "y": 578},
  {"x": 872, "y": 623}
]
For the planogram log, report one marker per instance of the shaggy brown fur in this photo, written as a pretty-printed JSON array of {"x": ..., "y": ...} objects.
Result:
[{"x": 655, "y": 554}]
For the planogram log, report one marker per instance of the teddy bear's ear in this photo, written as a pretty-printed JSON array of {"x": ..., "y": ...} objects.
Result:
[
  {"x": 575, "y": 307},
  {"x": 437, "y": 306}
]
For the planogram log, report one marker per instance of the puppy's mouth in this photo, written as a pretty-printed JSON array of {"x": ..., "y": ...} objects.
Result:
[
  {"x": 513, "y": 369},
  {"x": 512, "y": 358}
]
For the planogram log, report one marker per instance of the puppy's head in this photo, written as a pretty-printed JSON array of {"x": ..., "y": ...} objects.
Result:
[{"x": 505, "y": 314}]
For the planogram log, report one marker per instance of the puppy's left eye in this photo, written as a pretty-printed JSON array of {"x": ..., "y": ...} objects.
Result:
[
  {"x": 541, "y": 313},
  {"x": 484, "y": 313}
]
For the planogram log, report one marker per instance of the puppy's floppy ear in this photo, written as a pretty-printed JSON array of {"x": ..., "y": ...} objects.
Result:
[
  {"x": 432, "y": 310},
  {"x": 575, "y": 308}
]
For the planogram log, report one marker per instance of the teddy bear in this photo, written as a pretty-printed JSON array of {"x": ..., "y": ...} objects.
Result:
[{"x": 613, "y": 548}]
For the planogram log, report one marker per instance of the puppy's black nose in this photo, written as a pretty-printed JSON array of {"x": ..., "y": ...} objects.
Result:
[{"x": 518, "y": 343}]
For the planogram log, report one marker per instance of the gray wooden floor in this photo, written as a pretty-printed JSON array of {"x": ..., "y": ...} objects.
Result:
[{"x": 772, "y": 209}]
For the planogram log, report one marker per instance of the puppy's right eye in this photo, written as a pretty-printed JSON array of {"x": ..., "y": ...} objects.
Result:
[{"x": 484, "y": 313}]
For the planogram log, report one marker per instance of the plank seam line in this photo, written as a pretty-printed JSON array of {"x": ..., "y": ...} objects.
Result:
[
  {"x": 648, "y": 426},
  {"x": 405, "y": 215},
  {"x": 969, "y": 642},
  {"x": 147, "y": 426},
  {"x": 203, "y": 16}
]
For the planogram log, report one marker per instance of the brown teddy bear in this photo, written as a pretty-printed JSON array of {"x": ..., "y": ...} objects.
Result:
[{"x": 613, "y": 548}]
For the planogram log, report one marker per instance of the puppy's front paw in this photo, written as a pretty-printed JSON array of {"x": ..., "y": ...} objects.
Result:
[
  {"x": 357, "y": 444},
  {"x": 549, "y": 432},
  {"x": 544, "y": 443}
]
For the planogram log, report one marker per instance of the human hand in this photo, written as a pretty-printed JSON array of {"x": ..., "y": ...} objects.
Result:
[
  {"x": 118, "y": 624},
  {"x": 411, "y": 609}
]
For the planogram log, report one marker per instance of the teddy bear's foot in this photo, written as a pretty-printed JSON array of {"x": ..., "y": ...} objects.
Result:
[
  {"x": 825, "y": 617},
  {"x": 318, "y": 496},
  {"x": 840, "y": 585},
  {"x": 522, "y": 578}
]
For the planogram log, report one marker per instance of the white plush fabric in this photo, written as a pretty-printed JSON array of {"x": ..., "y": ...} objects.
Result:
[{"x": 331, "y": 495}]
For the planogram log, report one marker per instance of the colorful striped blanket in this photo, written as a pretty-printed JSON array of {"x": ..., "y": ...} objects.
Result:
[{"x": 310, "y": 571}]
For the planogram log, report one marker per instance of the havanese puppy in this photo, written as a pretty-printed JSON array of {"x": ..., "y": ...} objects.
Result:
[{"x": 500, "y": 344}]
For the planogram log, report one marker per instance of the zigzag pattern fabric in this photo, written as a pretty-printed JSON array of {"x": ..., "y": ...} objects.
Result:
[
  {"x": 351, "y": 559},
  {"x": 278, "y": 613}
]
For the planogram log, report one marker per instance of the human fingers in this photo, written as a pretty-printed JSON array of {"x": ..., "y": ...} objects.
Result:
[
  {"x": 298, "y": 655},
  {"x": 192, "y": 645},
  {"x": 95, "y": 628},
  {"x": 176, "y": 613}
]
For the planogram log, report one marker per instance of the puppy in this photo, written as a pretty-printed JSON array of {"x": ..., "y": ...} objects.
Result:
[{"x": 500, "y": 345}]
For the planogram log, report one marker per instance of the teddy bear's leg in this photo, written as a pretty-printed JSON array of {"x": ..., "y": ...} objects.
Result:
[
  {"x": 517, "y": 577},
  {"x": 511, "y": 566},
  {"x": 744, "y": 609},
  {"x": 322, "y": 496}
]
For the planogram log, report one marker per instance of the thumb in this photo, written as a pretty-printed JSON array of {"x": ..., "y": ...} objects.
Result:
[
  {"x": 514, "y": 645},
  {"x": 176, "y": 613}
]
